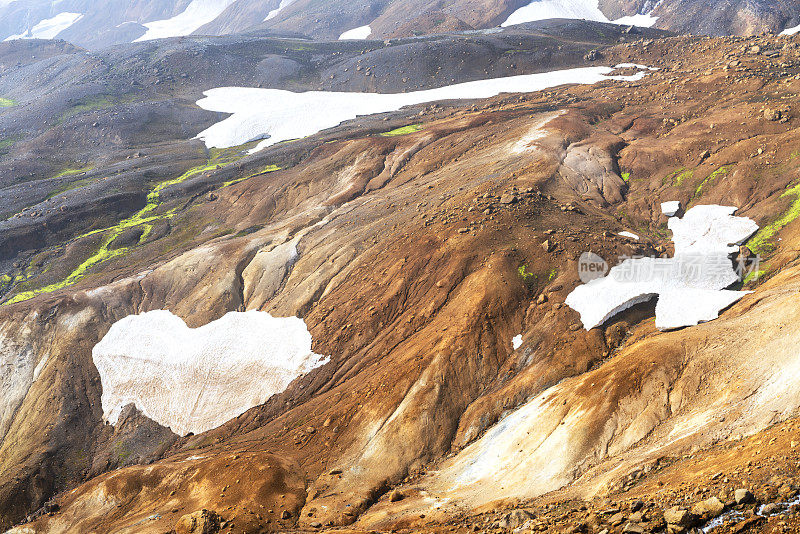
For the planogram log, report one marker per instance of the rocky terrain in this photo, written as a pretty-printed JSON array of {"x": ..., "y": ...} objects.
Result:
[
  {"x": 96, "y": 24},
  {"x": 415, "y": 245}
]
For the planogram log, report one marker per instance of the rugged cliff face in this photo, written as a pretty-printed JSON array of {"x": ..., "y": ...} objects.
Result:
[{"x": 415, "y": 245}]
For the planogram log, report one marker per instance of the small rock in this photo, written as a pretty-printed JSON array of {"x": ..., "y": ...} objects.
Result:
[
  {"x": 547, "y": 246},
  {"x": 286, "y": 514},
  {"x": 769, "y": 509},
  {"x": 636, "y": 506},
  {"x": 508, "y": 198},
  {"x": 772, "y": 114},
  {"x": 396, "y": 495},
  {"x": 633, "y": 527},
  {"x": 616, "y": 519},
  {"x": 593, "y": 55},
  {"x": 743, "y": 496},
  {"x": 542, "y": 299}
]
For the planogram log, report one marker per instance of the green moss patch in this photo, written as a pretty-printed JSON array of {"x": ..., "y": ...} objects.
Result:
[
  {"x": 722, "y": 171},
  {"x": 528, "y": 278},
  {"x": 405, "y": 130},
  {"x": 7, "y": 103},
  {"x": 145, "y": 216},
  {"x": 265, "y": 170},
  {"x": 677, "y": 177},
  {"x": 762, "y": 243}
]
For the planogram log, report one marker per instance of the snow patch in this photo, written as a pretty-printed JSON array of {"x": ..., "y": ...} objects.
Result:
[
  {"x": 517, "y": 341},
  {"x": 572, "y": 9},
  {"x": 643, "y": 20},
  {"x": 274, "y": 13},
  {"x": 791, "y": 31},
  {"x": 276, "y": 115},
  {"x": 689, "y": 286},
  {"x": 197, "y": 14},
  {"x": 635, "y": 66},
  {"x": 362, "y": 32},
  {"x": 630, "y": 235},
  {"x": 193, "y": 380},
  {"x": 671, "y": 208},
  {"x": 49, "y": 28}
]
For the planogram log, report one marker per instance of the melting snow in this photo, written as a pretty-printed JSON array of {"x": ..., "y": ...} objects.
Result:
[
  {"x": 193, "y": 380},
  {"x": 671, "y": 208},
  {"x": 197, "y": 14},
  {"x": 791, "y": 31},
  {"x": 690, "y": 286},
  {"x": 635, "y": 66},
  {"x": 642, "y": 20},
  {"x": 284, "y": 4},
  {"x": 49, "y": 28},
  {"x": 571, "y": 9},
  {"x": 277, "y": 115},
  {"x": 362, "y": 32}
]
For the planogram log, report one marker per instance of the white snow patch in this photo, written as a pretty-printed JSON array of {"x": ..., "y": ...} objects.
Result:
[
  {"x": 193, "y": 380},
  {"x": 642, "y": 20},
  {"x": 630, "y": 235},
  {"x": 275, "y": 115},
  {"x": 197, "y": 14},
  {"x": 362, "y": 32},
  {"x": 671, "y": 208},
  {"x": 688, "y": 285},
  {"x": 556, "y": 9},
  {"x": 517, "y": 341},
  {"x": 274, "y": 13},
  {"x": 572, "y": 9},
  {"x": 49, "y": 28},
  {"x": 791, "y": 31},
  {"x": 635, "y": 66}
]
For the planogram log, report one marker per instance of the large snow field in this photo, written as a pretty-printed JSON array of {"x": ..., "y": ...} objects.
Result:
[
  {"x": 193, "y": 380},
  {"x": 276, "y": 115},
  {"x": 197, "y": 14},
  {"x": 690, "y": 286},
  {"x": 49, "y": 28},
  {"x": 571, "y": 9}
]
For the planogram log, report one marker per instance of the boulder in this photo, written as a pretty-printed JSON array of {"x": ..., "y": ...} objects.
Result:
[
  {"x": 200, "y": 522},
  {"x": 676, "y": 516},
  {"x": 743, "y": 496},
  {"x": 709, "y": 508},
  {"x": 508, "y": 198},
  {"x": 515, "y": 519},
  {"x": 634, "y": 528}
]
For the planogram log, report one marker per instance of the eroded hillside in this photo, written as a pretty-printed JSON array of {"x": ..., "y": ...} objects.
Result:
[{"x": 416, "y": 245}]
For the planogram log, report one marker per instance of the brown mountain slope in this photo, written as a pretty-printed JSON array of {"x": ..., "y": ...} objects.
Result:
[{"x": 420, "y": 257}]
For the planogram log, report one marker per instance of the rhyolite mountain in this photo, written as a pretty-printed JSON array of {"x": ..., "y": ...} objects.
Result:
[
  {"x": 95, "y": 24},
  {"x": 426, "y": 254}
]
